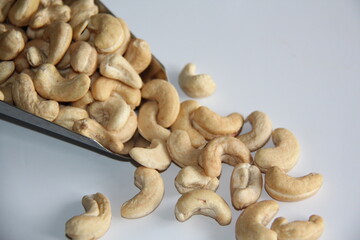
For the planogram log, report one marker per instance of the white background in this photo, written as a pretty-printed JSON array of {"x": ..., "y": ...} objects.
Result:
[{"x": 297, "y": 61}]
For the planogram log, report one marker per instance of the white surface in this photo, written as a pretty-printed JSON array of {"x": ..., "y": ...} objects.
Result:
[{"x": 298, "y": 61}]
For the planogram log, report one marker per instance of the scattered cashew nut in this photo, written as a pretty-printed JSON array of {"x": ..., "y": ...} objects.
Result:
[
  {"x": 21, "y": 12},
  {"x": 83, "y": 57},
  {"x": 68, "y": 115},
  {"x": 12, "y": 43},
  {"x": 6, "y": 70},
  {"x": 50, "y": 14},
  {"x": 81, "y": 11},
  {"x": 5, "y": 6},
  {"x": 138, "y": 54}
]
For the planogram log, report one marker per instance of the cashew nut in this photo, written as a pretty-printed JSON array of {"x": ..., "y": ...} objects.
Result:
[
  {"x": 252, "y": 221},
  {"x": 196, "y": 86},
  {"x": 127, "y": 37},
  {"x": 180, "y": 149},
  {"x": 5, "y": 6},
  {"x": 92, "y": 224},
  {"x": 211, "y": 125},
  {"x": 6, "y": 89},
  {"x": 84, "y": 101},
  {"x": 35, "y": 33},
  {"x": 204, "y": 202},
  {"x": 37, "y": 55},
  {"x": 138, "y": 54},
  {"x": 51, "y": 85},
  {"x": 6, "y": 70},
  {"x": 81, "y": 11},
  {"x": 165, "y": 94},
  {"x": 193, "y": 177},
  {"x": 302, "y": 230},
  {"x": 12, "y": 43},
  {"x": 183, "y": 122},
  {"x": 83, "y": 57},
  {"x": 21, "y": 12},
  {"x": 68, "y": 115},
  {"x": 155, "y": 156},
  {"x": 245, "y": 185},
  {"x": 223, "y": 149},
  {"x": 284, "y": 155},
  {"x": 282, "y": 187},
  {"x": 50, "y": 14},
  {"x": 151, "y": 184},
  {"x": 260, "y": 132}
]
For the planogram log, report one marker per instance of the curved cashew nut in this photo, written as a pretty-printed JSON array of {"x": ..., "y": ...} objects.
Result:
[
  {"x": 183, "y": 122},
  {"x": 81, "y": 11},
  {"x": 34, "y": 53},
  {"x": 50, "y": 14},
  {"x": 31, "y": 102},
  {"x": 21, "y": 12},
  {"x": 252, "y": 221},
  {"x": 196, "y": 86},
  {"x": 193, "y": 177},
  {"x": 51, "y": 85},
  {"x": 6, "y": 70},
  {"x": 204, "y": 202},
  {"x": 245, "y": 185},
  {"x": 92, "y": 224},
  {"x": 138, "y": 54},
  {"x": 181, "y": 150},
  {"x": 155, "y": 156},
  {"x": 148, "y": 126},
  {"x": 6, "y": 88},
  {"x": 223, "y": 149},
  {"x": 5, "y": 6},
  {"x": 285, "y": 154},
  {"x": 211, "y": 125},
  {"x": 165, "y": 94},
  {"x": 115, "y": 66},
  {"x": 282, "y": 187},
  {"x": 260, "y": 133},
  {"x": 68, "y": 115},
  {"x": 84, "y": 101},
  {"x": 83, "y": 57},
  {"x": 151, "y": 184},
  {"x": 12, "y": 43},
  {"x": 302, "y": 230}
]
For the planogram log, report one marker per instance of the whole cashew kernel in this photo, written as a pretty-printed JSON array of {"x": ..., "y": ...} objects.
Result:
[
  {"x": 92, "y": 224},
  {"x": 204, "y": 202},
  {"x": 39, "y": 50},
  {"x": 196, "y": 86},
  {"x": 245, "y": 185},
  {"x": 50, "y": 14},
  {"x": 302, "y": 230},
  {"x": 252, "y": 221},
  {"x": 68, "y": 115},
  {"x": 138, "y": 54},
  {"x": 6, "y": 70},
  {"x": 12, "y": 43},
  {"x": 151, "y": 184},
  {"x": 193, "y": 177},
  {"x": 165, "y": 94},
  {"x": 211, "y": 125},
  {"x": 223, "y": 149},
  {"x": 5, "y": 6},
  {"x": 21, "y": 12},
  {"x": 260, "y": 132},
  {"x": 285, "y": 154},
  {"x": 282, "y": 187},
  {"x": 83, "y": 57}
]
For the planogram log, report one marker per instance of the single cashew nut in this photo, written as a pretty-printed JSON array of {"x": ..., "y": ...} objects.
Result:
[
  {"x": 138, "y": 54},
  {"x": 5, "y": 6},
  {"x": 204, "y": 202},
  {"x": 180, "y": 149},
  {"x": 83, "y": 57},
  {"x": 92, "y": 224},
  {"x": 68, "y": 115},
  {"x": 81, "y": 11},
  {"x": 50, "y": 14},
  {"x": 84, "y": 101},
  {"x": 51, "y": 85},
  {"x": 245, "y": 185},
  {"x": 260, "y": 132},
  {"x": 252, "y": 222},
  {"x": 196, "y": 86},
  {"x": 151, "y": 184},
  {"x": 155, "y": 156},
  {"x": 12, "y": 43},
  {"x": 21, "y": 12},
  {"x": 211, "y": 125},
  {"x": 165, "y": 94},
  {"x": 6, "y": 89},
  {"x": 223, "y": 149},
  {"x": 32, "y": 55},
  {"x": 193, "y": 177},
  {"x": 285, "y": 154},
  {"x": 282, "y": 187},
  {"x": 302, "y": 230},
  {"x": 6, "y": 70}
]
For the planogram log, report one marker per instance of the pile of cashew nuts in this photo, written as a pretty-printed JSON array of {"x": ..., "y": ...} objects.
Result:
[{"x": 72, "y": 64}]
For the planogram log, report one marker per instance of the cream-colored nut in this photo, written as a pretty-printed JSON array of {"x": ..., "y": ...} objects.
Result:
[
  {"x": 223, "y": 149},
  {"x": 35, "y": 57},
  {"x": 84, "y": 101},
  {"x": 138, "y": 54},
  {"x": 181, "y": 150},
  {"x": 2, "y": 96},
  {"x": 6, "y": 88},
  {"x": 165, "y": 94},
  {"x": 81, "y": 11},
  {"x": 112, "y": 113},
  {"x": 260, "y": 132},
  {"x": 193, "y": 177},
  {"x": 51, "y": 85},
  {"x": 183, "y": 122},
  {"x": 151, "y": 184},
  {"x": 5, "y": 6},
  {"x": 68, "y": 115},
  {"x": 83, "y": 57},
  {"x": 35, "y": 33},
  {"x": 26, "y": 98},
  {"x": 283, "y": 187},
  {"x": 211, "y": 124},
  {"x": 21, "y": 12},
  {"x": 59, "y": 35},
  {"x": 92, "y": 224},
  {"x": 252, "y": 222},
  {"x": 50, "y": 14},
  {"x": 204, "y": 202},
  {"x": 155, "y": 156},
  {"x": 39, "y": 50},
  {"x": 103, "y": 87},
  {"x": 12, "y": 43},
  {"x": 129, "y": 129},
  {"x": 284, "y": 155},
  {"x": 127, "y": 37},
  {"x": 6, "y": 70},
  {"x": 196, "y": 85},
  {"x": 301, "y": 230},
  {"x": 148, "y": 126},
  {"x": 245, "y": 185},
  {"x": 115, "y": 66}
]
